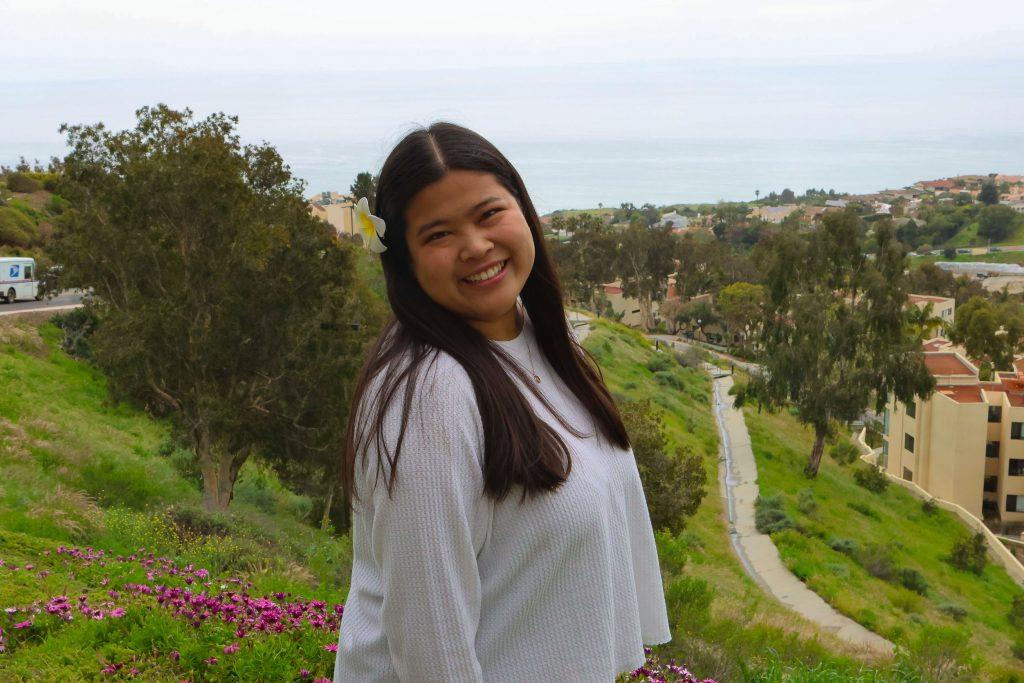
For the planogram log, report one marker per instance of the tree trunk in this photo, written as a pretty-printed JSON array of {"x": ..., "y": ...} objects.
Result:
[
  {"x": 811, "y": 470},
  {"x": 326, "y": 518},
  {"x": 220, "y": 469}
]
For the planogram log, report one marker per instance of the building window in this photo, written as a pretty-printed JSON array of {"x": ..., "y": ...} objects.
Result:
[
  {"x": 912, "y": 409},
  {"x": 908, "y": 442},
  {"x": 1016, "y": 467},
  {"x": 995, "y": 413},
  {"x": 1015, "y": 430},
  {"x": 992, "y": 449},
  {"x": 1015, "y": 503},
  {"x": 991, "y": 484},
  {"x": 907, "y": 474}
]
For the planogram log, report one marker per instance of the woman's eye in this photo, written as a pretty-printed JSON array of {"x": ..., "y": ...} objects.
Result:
[
  {"x": 440, "y": 233},
  {"x": 489, "y": 212}
]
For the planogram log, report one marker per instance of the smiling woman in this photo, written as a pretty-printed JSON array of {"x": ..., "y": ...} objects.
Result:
[{"x": 454, "y": 579}]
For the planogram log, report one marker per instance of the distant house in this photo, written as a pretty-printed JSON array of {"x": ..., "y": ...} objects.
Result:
[
  {"x": 774, "y": 214},
  {"x": 836, "y": 203},
  {"x": 937, "y": 185},
  {"x": 336, "y": 209},
  {"x": 1017, "y": 206},
  {"x": 674, "y": 220},
  {"x": 882, "y": 209}
]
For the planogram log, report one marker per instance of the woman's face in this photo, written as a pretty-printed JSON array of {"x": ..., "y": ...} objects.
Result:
[{"x": 471, "y": 249}]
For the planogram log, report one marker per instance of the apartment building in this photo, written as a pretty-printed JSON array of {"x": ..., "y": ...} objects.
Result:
[
  {"x": 336, "y": 209},
  {"x": 965, "y": 443},
  {"x": 943, "y": 308}
]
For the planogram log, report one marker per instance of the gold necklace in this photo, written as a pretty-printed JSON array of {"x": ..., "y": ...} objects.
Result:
[{"x": 536, "y": 377}]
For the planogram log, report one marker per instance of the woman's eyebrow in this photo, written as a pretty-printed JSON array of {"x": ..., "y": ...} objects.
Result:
[{"x": 476, "y": 207}]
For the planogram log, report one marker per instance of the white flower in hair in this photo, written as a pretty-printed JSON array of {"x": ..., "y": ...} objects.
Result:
[{"x": 370, "y": 226}]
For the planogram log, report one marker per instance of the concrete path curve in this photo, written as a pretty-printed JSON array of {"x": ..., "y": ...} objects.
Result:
[{"x": 756, "y": 550}]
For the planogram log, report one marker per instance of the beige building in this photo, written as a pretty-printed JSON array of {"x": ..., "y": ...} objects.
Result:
[
  {"x": 943, "y": 308},
  {"x": 336, "y": 209},
  {"x": 964, "y": 444}
]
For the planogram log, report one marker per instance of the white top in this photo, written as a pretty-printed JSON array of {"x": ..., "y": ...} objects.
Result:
[{"x": 448, "y": 585}]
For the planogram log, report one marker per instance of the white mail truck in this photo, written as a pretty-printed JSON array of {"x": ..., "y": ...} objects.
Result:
[{"x": 18, "y": 278}]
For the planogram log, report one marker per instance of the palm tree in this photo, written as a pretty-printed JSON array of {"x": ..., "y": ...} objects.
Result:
[{"x": 922, "y": 324}]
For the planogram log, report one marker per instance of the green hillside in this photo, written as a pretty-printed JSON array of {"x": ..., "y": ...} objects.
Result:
[
  {"x": 858, "y": 550},
  {"x": 82, "y": 476},
  {"x": 80, "y": 472}
]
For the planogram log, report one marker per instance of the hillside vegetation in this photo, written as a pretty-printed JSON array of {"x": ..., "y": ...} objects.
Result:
[
  {"x": 881, "y": 558},
  {"x": 28, "y": 209},
  {"x": 101, "y": 522}
]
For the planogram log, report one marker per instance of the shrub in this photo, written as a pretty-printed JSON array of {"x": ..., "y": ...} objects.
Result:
[
  {"x": 863, "y": 509},
  {"x": 1018, "y": 647},
  {"x": 941, "y": 653},
  {"x": 690, "y": 597},
  {"x": 689, "y": 357},
  {"x": 877, "y": 560},
  {"x": 16, "y": 229},
  {"x": 912, "y": 579},
  {"x": 844, "y": 453},
  {"x": 954, "y": 612},
  {"x": 969, "y": 553},
  {"x": 770, "y": 515},
  {"x": 57, "y": 204},
  {"x": 805, "y": 501},
  {"x": 193, "y": 519},
  {"x": 19, "y": 182},
  {"x": 1016, "y": 615},
  {"x": 846, "y": 546},
  {"x": 77, "y": 324},
  {"x": 871, "y": 478},
  {"x": 674, "y": 484},
  {"x": 929, "y": 507},
  {"x": 659, "y": 362},
  {"x": 669, "y": 379}
]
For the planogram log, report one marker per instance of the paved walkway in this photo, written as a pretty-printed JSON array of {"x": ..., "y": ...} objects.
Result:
[{"x": 756, "y": 550}]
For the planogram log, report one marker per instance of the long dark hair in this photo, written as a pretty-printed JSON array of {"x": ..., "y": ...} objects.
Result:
[{"x": 519, "y": 447}]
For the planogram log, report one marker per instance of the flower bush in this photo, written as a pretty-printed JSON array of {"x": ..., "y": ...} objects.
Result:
[{"x": 144, "y": 616}]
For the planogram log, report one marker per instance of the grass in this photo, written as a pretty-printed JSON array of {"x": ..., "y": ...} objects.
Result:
[
  {"x": 998, "y": 257},
  {"x": 742, "y": 627},
  {"x": 80, "y": 471},
  {"x": 917, "y": 540}
]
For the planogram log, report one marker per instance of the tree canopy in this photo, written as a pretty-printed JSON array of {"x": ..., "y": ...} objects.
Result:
[
  {"x": 833, "y": 331},
  {"x": 221, "y": 301}
]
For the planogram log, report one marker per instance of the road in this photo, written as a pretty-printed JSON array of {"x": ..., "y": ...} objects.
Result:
[{"x": 63, "y": 301}]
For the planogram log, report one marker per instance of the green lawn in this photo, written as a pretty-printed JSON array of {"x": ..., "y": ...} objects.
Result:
[
  {"x": 843, "y": 511},
  {"x": 745, "y": 624},
  {"x": 79, "y": 471}
]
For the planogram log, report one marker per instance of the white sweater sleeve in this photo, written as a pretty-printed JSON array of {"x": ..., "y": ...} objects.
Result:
[{"x": 425, "y": 537}]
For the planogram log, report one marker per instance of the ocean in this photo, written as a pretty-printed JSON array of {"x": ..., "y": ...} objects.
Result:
[{"x": 584, "y": 135}]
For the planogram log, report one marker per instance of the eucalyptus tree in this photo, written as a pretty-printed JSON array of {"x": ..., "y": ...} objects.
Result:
[
  {"x": 222, "y": 302},
  {"x": 834, "y": 331}
]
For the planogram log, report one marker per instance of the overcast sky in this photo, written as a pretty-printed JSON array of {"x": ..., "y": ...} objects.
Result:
[
  {"x": 54, "y": 39},
  {"x": 847, "y": 91}
]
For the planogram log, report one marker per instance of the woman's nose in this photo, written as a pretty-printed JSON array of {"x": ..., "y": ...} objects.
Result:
[{"x": 475, "y": 245}]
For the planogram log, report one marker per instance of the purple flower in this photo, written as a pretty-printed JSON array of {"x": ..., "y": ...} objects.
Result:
[
  {"x": 333, "y": 647},
  {"x": 231, "y": 649},
  {"x": 211, "y": 661},
  {"x": 24, "y": 624},
  {"x": 174, "y": 655}
]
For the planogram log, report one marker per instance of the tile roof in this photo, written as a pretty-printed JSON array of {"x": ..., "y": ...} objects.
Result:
[
  {"x": 946, "y": 363},
  {"x": 915, "y": 298},
  {"x": 962, "y": 393}
]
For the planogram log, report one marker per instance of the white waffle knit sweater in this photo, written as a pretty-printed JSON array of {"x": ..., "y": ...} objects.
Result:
[{"x": 449, "y": 586}]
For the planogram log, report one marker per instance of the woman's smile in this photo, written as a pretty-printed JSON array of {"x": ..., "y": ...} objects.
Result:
[{"x": 488, "y": 276}]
